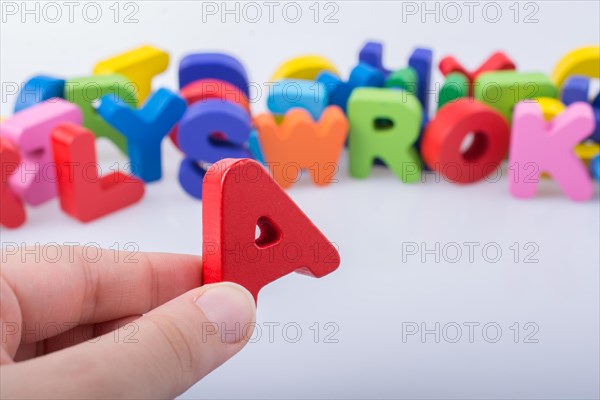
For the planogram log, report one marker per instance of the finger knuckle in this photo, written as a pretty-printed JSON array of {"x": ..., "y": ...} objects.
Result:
[{"x": 177, "y": 336}]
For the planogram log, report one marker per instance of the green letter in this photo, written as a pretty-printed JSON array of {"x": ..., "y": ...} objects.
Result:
[
  {"x": 503, "y": 89},
  {"x": 85, "y": 91},
  {"x": 384, "y": 124}
]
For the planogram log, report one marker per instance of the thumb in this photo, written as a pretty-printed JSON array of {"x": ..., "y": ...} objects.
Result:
[{"x": 159, "y": 355}]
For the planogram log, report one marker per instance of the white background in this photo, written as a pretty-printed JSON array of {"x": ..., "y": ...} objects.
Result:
[{"x": 373, "y": 293}]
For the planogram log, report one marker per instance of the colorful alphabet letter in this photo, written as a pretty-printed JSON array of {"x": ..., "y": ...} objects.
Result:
[
  {"x": 496, "y": 62},
  {"x": 85, "y": 92},
  {"x": 582, "y": 61},
  {"x": 205, "y": 89},
  {"x": 139, "y": 65},
  {"x": 144, "y": 129},
  {"x": 304, "y": 67},
  {"x": 441, "y": 146},
  {"x": 503, "y": 89},
  {"x": 219, "y": 66},
  {"x": 338, "y": 92},
  {"x": 83, "y": 194},
  {"x": 12, "y": 211},
  {"x": 538, "y": 146},
  {"x": 239, "y": 196},
  {"x": 297, "y": 93},
  {"x": 455, "y": 86},
  {"x": 208, "y": 132},
  {"x": 384, "y": 124},
  {"x": 35, "y": 178},
  {"x": 39, "y": 89},
  {"x": 577, "y": 88},
  {"x": 301, "y": 143}
]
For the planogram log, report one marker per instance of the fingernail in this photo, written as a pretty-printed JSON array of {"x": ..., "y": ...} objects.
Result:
[{"x": 231, "y": 308}]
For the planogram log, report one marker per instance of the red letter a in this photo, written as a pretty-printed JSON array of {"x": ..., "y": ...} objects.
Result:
[{"x": 239, "y": 196}]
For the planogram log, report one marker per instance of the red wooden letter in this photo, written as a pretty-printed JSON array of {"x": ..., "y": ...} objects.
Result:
[
  {"x": 238, "y": 196},
  {"x": 83, "y": 194},
  {"x": 12, "y": 212}
]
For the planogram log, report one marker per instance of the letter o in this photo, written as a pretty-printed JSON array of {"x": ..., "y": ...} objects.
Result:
[{"x": 444, "y": 136}]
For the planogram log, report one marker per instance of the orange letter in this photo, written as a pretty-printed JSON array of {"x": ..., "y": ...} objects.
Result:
[{"x": 301, "y": 143}]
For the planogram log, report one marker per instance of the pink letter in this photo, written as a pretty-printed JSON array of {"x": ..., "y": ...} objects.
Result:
[
  {"x": 35, "y": 178},
  {"x": 538, "y": 146}
]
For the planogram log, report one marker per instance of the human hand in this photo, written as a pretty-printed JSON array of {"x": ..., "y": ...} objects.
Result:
[{"x": 73, "y": 328}]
